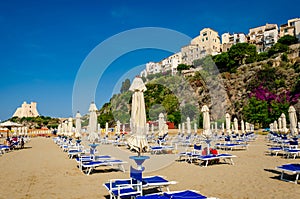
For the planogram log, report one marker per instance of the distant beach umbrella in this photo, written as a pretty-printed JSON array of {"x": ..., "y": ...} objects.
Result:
[
  {"x": 123, "y": 128},
  {"x": 275, "y": 126},
  {"x": 179, "y": 128},
  {"x": 92, "y": 128},
  {"x": 161, "y": 125},
  {"x": 78, "y": 125},
  {"x": 242, "y": 126},
  {"x": 147, "y": 128},
  {"x": 182, "y": 128},
  {"x": 195, "y": 127},
  {"x": 283, "y": 120},
  {"x": 118, "y": 129},
  {"x": 236, "y": 125},
  {"x": 271, "y": 127},
  {"x": 106, "y": 128},
  {"x": 280, "y": 124},
  {"x": 70, "y": 126},
  {"x": 216, "y": 127},
  {"x": 188, "y": 125},
  {"x": 138, "y": 140},
  {"x": 227, "y": 121},
  {"x": 293, "y": 120},
  {"x": 223, "y": 127},
  {"x": 152, "y": 129},
  {"x": 206, "y": 121}
]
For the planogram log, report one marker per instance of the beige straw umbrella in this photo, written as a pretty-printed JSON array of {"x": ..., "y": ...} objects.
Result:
[{"x": 78, "y": 125}]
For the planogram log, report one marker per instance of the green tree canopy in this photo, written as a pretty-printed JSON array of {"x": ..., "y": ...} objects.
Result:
[
  {"x": 125, "y": 86},
  {"x": 288, "y": 40}
]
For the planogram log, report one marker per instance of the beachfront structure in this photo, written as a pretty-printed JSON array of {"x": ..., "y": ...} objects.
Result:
[
  {"x": 292, "y": 27},
  {"x": 229, "y": 40},
  {"x": 263, "y": 37},
  {"x": 27, "y": 110}
]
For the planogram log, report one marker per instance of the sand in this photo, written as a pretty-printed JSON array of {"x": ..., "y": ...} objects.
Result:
[{"x": 42, "y": 170}]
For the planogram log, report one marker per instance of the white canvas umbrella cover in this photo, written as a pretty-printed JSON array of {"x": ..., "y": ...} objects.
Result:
[
  {"x": 242, "y": 127},
  {"x": 138, "y": 116},
  {"x": 206, "y": 120},
  {"x": 78, "y": 125},
  {"x": 293, "y": 120},
  {"x": 283, "y": 121},
  {"x": 188, "y": 125},
  {"x": 92, "y": 128},
  {"x": 161, "y": 125},
  {"x": 236, "y": 125},
  {"x": 227, "y": 121}
]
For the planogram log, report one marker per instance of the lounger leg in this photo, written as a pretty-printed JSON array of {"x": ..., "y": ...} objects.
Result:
[{"x": 297, "y": 177}]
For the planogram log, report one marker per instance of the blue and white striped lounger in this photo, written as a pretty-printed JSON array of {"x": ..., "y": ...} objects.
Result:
[
  {"x": 290, "y": 168},
  {"x": 89, "y": 166},
  {"x": 207, "y": 158},
  {"x": 187, "y": 194}
]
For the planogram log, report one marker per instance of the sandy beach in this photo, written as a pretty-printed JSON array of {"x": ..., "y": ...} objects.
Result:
[{"x": 43, "y": 170}]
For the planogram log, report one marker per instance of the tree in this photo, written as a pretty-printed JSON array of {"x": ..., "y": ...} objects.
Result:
[
  {"x": 242, "y": 53},
  {"x": 181, "y": 67},
  {"x": 125, "y": 86},
  {"x": 278, "y": 48},
  {"x": 288, "y": 40}
]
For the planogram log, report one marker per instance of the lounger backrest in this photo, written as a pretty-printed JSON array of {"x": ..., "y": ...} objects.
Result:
[
  {"x": 197, "y": 147},
  {"x": 136, "y": 174}
]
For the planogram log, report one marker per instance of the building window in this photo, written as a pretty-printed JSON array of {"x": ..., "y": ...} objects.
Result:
[
  {"x": 206, "y": 38},
  {"x": 204, "y": 34}
]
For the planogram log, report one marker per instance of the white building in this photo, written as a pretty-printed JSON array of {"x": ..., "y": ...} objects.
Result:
[
  {"x": 170, "y": 63},
  {"x": 292, "y": 27},
  {"x": 229, "y": 40},
  {"x": 27, "y": 110},
  {"x": 263, "y": 37}
]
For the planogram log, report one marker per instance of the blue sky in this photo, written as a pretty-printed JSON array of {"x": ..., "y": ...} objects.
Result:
[{"x": 44, "y": 43}]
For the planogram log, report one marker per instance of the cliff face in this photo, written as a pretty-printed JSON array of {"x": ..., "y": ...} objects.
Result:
[
  {"x": 222, "y": 92},
  {"x": 230, "y": 92}
]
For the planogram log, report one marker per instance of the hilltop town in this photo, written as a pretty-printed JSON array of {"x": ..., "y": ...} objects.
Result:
[{"x": 208, "y": 42}]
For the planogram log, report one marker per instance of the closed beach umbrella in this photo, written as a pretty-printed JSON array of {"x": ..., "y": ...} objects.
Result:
[
  {"x": 275, "y": 126},
  {"x": 206, "y": 121},
  {"x": 92, "y": 128},
  {"x": 188, "y": 125},
  {"x": 195, "y": 127},
  {"x": 78, "y": 125},
  {"x": 242, "y": 127},
  {"x": 179, "y": 128},
  {"x": 293, "y": 120},
  {"x": 147, "y": 128},
  {"x": 138, "y": 140},
  {"x": 106, "y": 128},
  {"x": 280, "y": 124},
  {"x": 216, "y": 127},
  {"x": 223, "y": 128},
  {"x": 161, "y": 125},
  {"x": 118, "y": 129},
  {"x": 283, "y": 121},
  {"x": 182, "y": 128},
  {"x": 70, "y": 126},
  {"x": 236, "y": 125},
  {"x": 227, "y": 120}
]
